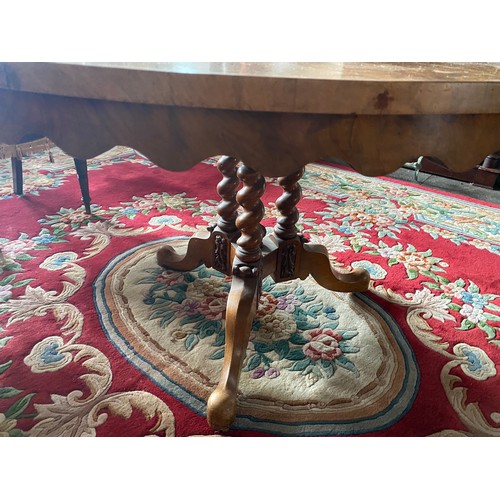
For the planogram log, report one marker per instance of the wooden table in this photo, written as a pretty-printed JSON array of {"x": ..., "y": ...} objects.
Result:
[{"x": 274, "y": 118}]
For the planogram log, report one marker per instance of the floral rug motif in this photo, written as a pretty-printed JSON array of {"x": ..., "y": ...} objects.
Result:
[{"x": 97, "y": 340}]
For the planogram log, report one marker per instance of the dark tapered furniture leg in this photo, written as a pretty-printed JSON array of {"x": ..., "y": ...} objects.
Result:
[
  {"x": 83, "y": 179},
  {"x": 17, "y": 174}
]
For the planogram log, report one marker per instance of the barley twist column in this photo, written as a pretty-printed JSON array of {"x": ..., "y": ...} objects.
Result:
[
  {"x": 248, "y": 222},
  {"x": 227, "y": 187},
  {"x": 285, "y": 227}
]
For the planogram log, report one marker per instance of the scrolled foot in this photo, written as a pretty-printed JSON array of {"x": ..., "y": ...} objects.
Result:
[
  {"x": 221, "y": 409},
  {"x": 315, "y": 261},
  {"x": 199, "y": 250}
]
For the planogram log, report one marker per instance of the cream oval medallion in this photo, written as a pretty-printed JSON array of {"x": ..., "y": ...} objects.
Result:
[{"x": 318, "y": 362}]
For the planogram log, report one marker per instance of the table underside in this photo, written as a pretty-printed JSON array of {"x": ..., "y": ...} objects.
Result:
[{"x": 274, "y": 144}]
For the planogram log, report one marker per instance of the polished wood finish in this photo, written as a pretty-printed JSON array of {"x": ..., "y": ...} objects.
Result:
[
  {"x": 199, "y": 250},
  {"x": 274, "y": 118},
  {"x": 241, "y": 308},
  {"x": 338, "y": 88}
]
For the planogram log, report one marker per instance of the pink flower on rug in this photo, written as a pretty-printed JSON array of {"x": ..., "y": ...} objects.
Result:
[
  {"x": 414, "y": 261},
  {"x": 267, "y": 304},
  {"x": 73, "y": 216},
  {"x": 14, "y": 248},
  {"x": 452, "y": 289},
  {"x": 272, "y": 372},
  {"x": 5, "y": 292},
  {"x": 323, "y": 344},
  {"x": 473, "y": 314},
  {"x": 259, "y": 372},
  {"x": 288, "y": 302},
  {"x": 170, "y": 278},
  {"x": 147, "y": 203},
  {"x": 187, "y": 307},
  {"x": 214, "y": 308}
]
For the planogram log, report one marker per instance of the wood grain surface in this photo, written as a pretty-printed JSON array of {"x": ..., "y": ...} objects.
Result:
[{"x": 274, "y": 117}]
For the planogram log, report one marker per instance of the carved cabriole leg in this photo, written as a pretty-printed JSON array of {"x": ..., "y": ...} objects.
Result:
[
  {"x": 243, "y": 298},
  {"x": 241, "y": 307}
]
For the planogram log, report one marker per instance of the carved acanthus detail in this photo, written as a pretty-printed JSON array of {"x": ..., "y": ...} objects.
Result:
[{"x": 221, "y": 253}]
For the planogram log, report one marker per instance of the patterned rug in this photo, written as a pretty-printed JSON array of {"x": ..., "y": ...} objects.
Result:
[{"x": 97, "y": 340}]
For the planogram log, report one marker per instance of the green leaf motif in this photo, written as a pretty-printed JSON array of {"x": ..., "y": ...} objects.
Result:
[
  {"x": 297, "y": 339},
  {"x": 4, "y": 341},
  {"x": 24, "y": 257},
  {"x": 8, "y": 392},
  {"x": 489, "y": 330},
  {"x": 466, "y": 325},
  {"x": 343, "y": 362},
  {"x": 348, "y": 335},
  {"x": 22, "y": 283},
  {"x": 8, "y": 279},
  {"x": 442, "y": 280},
  {"x": 282, "y": 348},
  {"x": 217, "y": 354},
  {"x": 412, "y": 273},
  {"x": 295, "y": 355},
  {"x": 18, "y": 407},
  {"x": 262, "y": 347},
  {"x": 209, "y": 327},
  {"x": 166, "y": 319},
  {"x": 220, "y": 339},
  {"x": 432, "y": 286},
  {"x": 327, "y": 368},
  {"x": 298, "y": 366},
  {"x": 254, "y": 362},
  {"x": 491, "y": 317},
  {"x": 191, "y": 341},
  {"x": 5, "y": 366}
]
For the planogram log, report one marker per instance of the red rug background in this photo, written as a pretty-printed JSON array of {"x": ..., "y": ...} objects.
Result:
[{"x": 118, "y": 182}]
